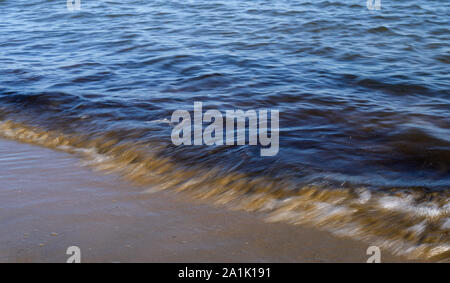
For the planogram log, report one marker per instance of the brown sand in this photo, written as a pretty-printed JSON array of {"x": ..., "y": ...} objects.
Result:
[{"x": 49, "y": 202}]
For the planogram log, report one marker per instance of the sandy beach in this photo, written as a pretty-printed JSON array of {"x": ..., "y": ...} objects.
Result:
[{"x": 48, "y": 202}]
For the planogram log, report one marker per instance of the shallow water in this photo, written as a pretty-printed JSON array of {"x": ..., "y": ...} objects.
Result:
[{"x": 363, "y": 99}]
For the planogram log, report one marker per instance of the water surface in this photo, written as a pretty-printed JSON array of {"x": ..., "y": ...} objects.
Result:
[{"x": 363, "y": 99}]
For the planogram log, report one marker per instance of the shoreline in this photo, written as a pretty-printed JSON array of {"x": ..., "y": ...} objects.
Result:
[{"x": 48, "y": 202}]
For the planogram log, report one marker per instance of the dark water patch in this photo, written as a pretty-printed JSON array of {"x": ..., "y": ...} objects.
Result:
[
  {"x": 396, "y": 89},
  {"x": 443, "y": 59},
  {"x": 381, "y": 30}
]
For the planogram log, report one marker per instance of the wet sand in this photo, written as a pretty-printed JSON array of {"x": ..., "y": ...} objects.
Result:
[{"x": 48, "y": 202}]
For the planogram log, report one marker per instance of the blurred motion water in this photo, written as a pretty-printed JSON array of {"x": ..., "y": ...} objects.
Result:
[{"x": 363, "y": 99}]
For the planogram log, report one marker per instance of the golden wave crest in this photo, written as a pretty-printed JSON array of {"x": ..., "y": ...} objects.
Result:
[{"x": 412, "y": 223}]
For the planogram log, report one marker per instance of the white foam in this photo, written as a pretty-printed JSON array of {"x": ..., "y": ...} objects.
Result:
[
  {"x": 418, "y": 228},
  {"x": 406, "y": 205},
  {"x": 364, "y": 196},
  {"x": 446, "y": 223}
]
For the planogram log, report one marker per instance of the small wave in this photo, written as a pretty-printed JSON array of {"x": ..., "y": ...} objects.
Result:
[
  {"x": 395, "y": 88},
  {"x": 410, "y": 222},
  {"x": 382, "y": 30},
  {"x": 159, "y": 121}
]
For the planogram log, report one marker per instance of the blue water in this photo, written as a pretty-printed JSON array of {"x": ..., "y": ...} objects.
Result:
[{"x": 363, "y": 95}]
